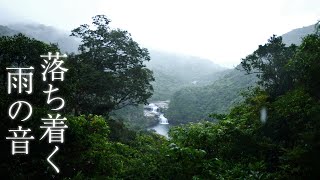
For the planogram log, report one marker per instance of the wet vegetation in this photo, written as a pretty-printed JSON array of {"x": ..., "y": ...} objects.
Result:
[{"x": 219, "y": 133}]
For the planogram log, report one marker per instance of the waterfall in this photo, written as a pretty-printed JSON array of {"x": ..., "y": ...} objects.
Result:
[
  {"x": 154, "y": 110},
  {"x": 163, "y": 120}
]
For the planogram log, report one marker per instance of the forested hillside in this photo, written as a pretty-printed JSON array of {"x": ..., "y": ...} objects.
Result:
[
  {"x": 196, "y": 103},
  {"x": 193, "y": 104},
  {"x": 171, "y": 71},
  {"x": 295, "y": 36},
  {"x": 274, "y": 133}
]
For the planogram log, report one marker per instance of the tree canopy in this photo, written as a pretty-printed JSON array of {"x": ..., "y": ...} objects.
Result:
[
  {"x": 269, "y": 63},
  {"x": 284, "y": 144},
  {"x": 109, "y": 71}
]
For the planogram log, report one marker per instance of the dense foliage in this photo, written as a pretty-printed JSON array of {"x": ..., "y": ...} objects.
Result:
[
  {"x": 195, "y": 103},
  {"x": 112, "y": 64},
  {"x": 191, "y": 104},
  {"x": 269, "y": 62},
  {"x": 274, "y": 133}
]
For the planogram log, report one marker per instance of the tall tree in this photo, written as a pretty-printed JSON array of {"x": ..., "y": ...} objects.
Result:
[
  {"x": 269, "y": 63},
  {"x": 306, "y": 64},
  {"x": 110, "y": 67}
]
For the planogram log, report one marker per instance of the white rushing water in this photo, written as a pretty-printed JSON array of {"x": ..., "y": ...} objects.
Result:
[
  {"x": 163, "y": 120},
  {"x": 153, "y": 110},
  {"x": 161, "y": 129}
]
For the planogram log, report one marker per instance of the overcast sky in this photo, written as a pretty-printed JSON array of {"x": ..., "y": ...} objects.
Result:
[{"x": 223, "y": 31}]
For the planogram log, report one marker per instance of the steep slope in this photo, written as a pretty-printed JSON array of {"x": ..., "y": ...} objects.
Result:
[
  {"x": 295, "y": 36},
  {"x": 194, "y": 104},
  {"x": 185, "y": 68},
  {"x": 173, "y": 72}
]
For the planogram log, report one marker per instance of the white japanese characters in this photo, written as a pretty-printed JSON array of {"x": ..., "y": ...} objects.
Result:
[
  {"x": 49, "y": 99},
  {"x": 55, "y": 128},
  {"x": 20, "y": 143},
  {"x": 20, "y": 79},
  {"x": 19, "y": 103},
  {"x": 53, "y": 66}
]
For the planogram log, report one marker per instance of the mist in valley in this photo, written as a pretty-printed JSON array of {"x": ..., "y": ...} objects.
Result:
[{"x": 172, "y": 96}]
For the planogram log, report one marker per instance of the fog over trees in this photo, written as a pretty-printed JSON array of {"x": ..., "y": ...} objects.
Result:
[{"x": 258, "y": 120}]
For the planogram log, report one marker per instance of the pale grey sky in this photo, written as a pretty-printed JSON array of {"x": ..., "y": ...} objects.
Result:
[{"x": 223, "y": 31}]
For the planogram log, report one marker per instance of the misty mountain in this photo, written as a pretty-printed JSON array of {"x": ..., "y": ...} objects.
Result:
[
  {"x": 171, "y": 71},
  {"x": 195, "y": 103},
  {"x": 184, "y": 80},
  {"x": 177, "y": 65},
  {"x": 5, "y": 31},
  {"x": 48, "y": 34},
  {"x": 295, "y": 36}
]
